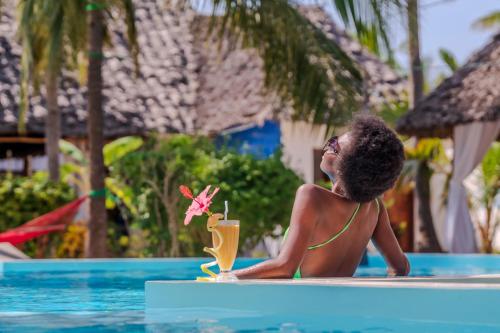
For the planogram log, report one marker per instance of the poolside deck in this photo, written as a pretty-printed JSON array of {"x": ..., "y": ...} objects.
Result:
[{"x": 451, "y": 300}]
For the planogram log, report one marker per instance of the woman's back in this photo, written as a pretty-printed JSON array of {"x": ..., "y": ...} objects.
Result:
[{"x": 341, "y": 256}]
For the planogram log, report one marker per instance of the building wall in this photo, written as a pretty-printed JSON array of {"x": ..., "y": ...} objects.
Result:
[
  {"x": 299, "y": 139},
  {"x": 16, "y": 165}
]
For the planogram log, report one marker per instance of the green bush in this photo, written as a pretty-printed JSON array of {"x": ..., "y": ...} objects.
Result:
[
  {"x": 24, "y": 199},
  {"x": 260, "y": 192}
]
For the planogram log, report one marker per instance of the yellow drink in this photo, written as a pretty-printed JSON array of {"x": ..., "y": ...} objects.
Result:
[{"x": 230, "y": 231}]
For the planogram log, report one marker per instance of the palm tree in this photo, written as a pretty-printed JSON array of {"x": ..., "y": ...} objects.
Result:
[
  {"x": 416, "y": 71},
  {"x": 52, "y": 33},
  {"x": 300, "y": 62},
  {"x": 429, "y": 241},
  {"x": 490, "y": 21},
  {"x": 416, "y": 89},
  {"x": 96, "y": 245},
  {"x": 95, "y": 129}
]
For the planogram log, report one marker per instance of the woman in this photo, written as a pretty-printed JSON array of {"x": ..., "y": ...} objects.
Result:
[{"x": 329, "y": 230}]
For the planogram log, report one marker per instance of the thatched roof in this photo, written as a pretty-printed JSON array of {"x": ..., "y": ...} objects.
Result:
[
  {"x": 382, "y": 84},
  {"x": 185, "y": 85},
  {"x": 231, "y": 90},
  {"x": 471, "y": 94},
  {"x": 161, "y": 99},
  {"x": 232, "y": 81}
]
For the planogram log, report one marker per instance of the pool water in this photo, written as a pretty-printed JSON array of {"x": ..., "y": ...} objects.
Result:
[{"x": 56, "y": 297}]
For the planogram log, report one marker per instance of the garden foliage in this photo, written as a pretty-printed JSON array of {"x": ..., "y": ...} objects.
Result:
[
  {"x": 260, "y": 193},
  {"x": 25, "y": 198}
]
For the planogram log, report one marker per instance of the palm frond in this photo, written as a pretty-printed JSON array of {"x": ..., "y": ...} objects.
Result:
[
  {"x": 118, "y": 148},
  {"x": 449, "y": 59},
  {"x": 26, "y": 10},
  {"x": 42, "y": 32},
  {"x": 53, "y": 34},
  {"x": 126, "y": 9},
  {"x": 129, "y": 13},
  {"x": 300, "y": 63},
  {"x": 488, "y": 22},
  {"x": 369, "y": 20},
  {"x": 73, "y": 152}
]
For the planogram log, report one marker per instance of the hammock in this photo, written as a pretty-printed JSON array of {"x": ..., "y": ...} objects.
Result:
[{"x": 55, "y": 220}]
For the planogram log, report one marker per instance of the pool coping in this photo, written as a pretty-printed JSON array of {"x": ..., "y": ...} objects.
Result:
[
  {"x": 456, "y": 303},
  {"x": 461, "y": 282}
]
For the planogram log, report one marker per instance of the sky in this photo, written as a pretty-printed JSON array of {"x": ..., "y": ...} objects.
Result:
[
  {"x": 444, "y": 24},
  {"x": 448, "y": 24}
]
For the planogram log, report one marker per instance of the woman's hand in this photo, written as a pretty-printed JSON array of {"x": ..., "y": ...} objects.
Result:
[{"x": 388, "y": 246}]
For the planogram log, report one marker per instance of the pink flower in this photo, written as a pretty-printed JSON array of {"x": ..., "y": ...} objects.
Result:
[{"x": 200, "y": 204}]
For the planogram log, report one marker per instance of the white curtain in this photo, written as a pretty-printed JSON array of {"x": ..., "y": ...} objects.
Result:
[{"x": 471, "y": 142}]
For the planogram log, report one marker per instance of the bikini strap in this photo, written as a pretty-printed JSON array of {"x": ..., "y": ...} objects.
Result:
[
  {"x": 344, "y": 229},
  {"x": 378, "y": 206}
]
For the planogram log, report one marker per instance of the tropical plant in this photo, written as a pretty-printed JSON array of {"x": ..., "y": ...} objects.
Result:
[
  {"x": 75, "y": 170},
  {"x": 260, "y": 192},
  {"x": 52, "y": 33},
  {"x": 48, "y": 30},
  {"x": 300, "y": 62},
  {"x": 427, "y": 157},
  {"x": 98, "y": 13},
  {"x": 25, "y": 198},
  {"x": 490, "y": 190},
  {"x": 368, "y": 21},
  {"x": 449, "y": 59},
  {"x": 490, "y": 21},
  {"x": 73, "y": 242},
  {"x": 154, "y": 174},
  {"x": 451, "y": 63}
]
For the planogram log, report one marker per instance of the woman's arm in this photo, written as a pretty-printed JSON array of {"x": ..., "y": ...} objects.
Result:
[
  {"x": 387, "y": 244},
  {"x": 303, "y": 221}
]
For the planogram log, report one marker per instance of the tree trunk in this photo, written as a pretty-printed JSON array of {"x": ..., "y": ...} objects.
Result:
[
  {"x": 162, "y": 246},
  {"x": 52, "y": 126},
  {"x": 429, "y": 241},
  {"x": 416, "y": 81},
  {"x": 173, "y": 228},
  {"x": 490, "y": 229},
  {"x": 96, "y": 246}
]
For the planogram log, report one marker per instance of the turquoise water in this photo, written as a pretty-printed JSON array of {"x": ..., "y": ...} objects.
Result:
[{"x": 109, "y": 297}]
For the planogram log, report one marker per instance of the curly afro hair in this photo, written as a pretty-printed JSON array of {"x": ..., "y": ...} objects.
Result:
[{"x": 372, "y": 161}]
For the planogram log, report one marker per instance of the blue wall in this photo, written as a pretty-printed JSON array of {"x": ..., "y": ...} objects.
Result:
[{"x": 260, "y": 141}]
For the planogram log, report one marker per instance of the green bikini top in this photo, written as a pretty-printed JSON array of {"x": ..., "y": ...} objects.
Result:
[{"x": 334, "y": 237}]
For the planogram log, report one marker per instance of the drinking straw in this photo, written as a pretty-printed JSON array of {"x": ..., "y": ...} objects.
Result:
[{"x": 225, "y": 210}]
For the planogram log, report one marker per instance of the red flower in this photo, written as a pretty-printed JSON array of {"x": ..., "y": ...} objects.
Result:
[{"x": 200, "y": 204}]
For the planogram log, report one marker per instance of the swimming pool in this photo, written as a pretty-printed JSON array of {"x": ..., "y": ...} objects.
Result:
[{"x": 108, "y": 296}]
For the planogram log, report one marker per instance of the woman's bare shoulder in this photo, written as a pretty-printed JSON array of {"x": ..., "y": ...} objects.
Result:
[
  {"x": 314, "y": 194},
  {"x": 311, "y": 190}
]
